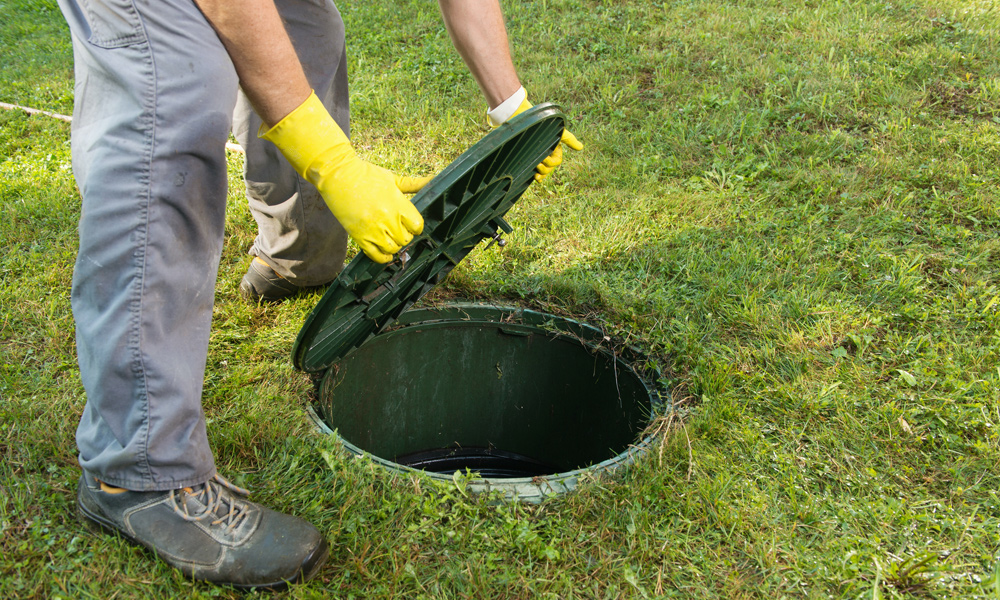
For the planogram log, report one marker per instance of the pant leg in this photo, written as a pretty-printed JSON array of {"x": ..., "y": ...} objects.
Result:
[
  {"x": 298, "y": 236},
  {"x": 154, "y": 95}
]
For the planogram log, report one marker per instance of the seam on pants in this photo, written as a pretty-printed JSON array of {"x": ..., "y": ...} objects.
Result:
[{"x": 135, "y": 339}]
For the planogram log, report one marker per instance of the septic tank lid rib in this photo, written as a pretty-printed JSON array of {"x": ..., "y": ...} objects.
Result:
[{"x": 463, "y": 205}]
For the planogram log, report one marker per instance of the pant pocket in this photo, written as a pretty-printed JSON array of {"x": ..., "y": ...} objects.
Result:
[{"x": 113, "y": 23}]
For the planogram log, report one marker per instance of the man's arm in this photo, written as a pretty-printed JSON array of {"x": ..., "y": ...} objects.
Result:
[
  {"x": 367, "y": 200},
  {"x": 272, "y": 77},
  {"x": 476, "y": 28},
  {"x": 268, "y": 67}
]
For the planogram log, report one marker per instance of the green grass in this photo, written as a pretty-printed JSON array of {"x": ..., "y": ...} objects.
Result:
[{"x": 793, "y": 205}]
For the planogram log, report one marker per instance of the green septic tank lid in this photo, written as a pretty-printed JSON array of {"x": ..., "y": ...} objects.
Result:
[{"x": 463, "y": 205}]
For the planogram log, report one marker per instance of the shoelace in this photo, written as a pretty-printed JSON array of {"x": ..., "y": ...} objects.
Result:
[{"x": 213, "y": 499}]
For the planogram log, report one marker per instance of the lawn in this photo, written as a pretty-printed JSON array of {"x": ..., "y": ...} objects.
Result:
[{"x": 792, "y": 206}]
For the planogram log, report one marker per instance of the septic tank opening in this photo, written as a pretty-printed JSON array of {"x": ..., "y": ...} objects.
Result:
[{"x": 507, "y": 393}]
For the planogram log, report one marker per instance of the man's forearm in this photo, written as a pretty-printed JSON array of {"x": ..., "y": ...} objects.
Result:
[
  {"x": 269, "y": 70},
  {"x": 477, "y": 30},
  {"x": 272, "y": 77}
]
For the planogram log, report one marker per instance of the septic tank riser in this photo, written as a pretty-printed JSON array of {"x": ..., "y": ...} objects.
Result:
[{"x": 390, "y": 411}]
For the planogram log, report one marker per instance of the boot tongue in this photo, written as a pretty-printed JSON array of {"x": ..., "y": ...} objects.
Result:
[
  {"x": 214, "y": 501},
  {"x": 231, "y": 520}
]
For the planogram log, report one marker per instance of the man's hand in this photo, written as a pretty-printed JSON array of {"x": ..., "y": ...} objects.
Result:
[
  {"x": 366, "y": 199},
  {"x": 555, "y": 159},
  {"x": 499, "y": 116}
]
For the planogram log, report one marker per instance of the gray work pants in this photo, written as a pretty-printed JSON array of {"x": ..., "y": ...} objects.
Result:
[{"x": 155, "y": 96}]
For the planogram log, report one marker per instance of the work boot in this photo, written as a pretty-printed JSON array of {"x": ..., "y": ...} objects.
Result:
[
  {"x": 262, "y": 284},
  {"x": 209, "y": 532}
]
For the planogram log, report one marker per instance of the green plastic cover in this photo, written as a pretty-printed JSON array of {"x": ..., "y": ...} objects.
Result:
[{"x": 463, "y": 205}]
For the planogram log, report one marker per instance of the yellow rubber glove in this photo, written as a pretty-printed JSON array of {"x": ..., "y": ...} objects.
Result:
[
  {"x": 367, "y": 200},
  {"x": 553, "y": 160}
]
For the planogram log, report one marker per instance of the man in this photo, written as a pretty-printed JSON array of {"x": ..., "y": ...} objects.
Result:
[{"x": 158, "y": 87}]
